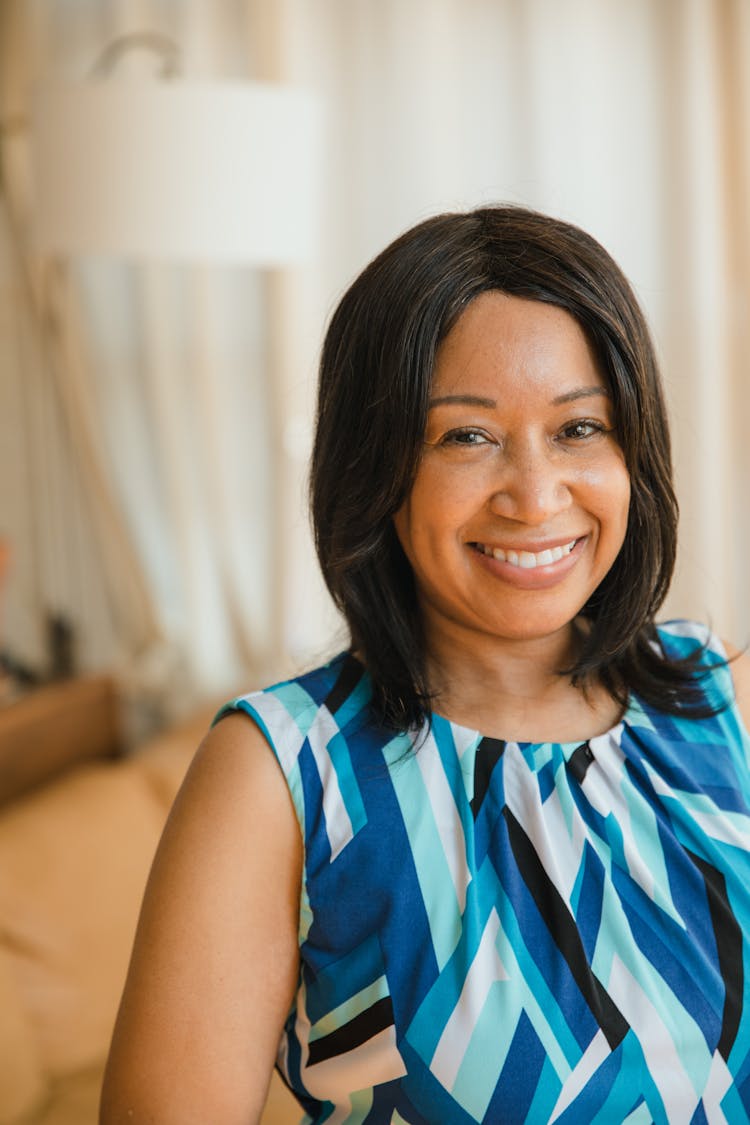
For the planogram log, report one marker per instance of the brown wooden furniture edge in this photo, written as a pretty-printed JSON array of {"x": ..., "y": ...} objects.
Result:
[{"x": 53, "y": 727}]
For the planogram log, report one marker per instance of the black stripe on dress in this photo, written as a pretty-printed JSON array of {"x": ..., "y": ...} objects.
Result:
[
  {"x": 564, "y": 931},
  {"x": 579, "y": 762},
  {"x": 488, "y": 754},
  {"x": 728, "y": 935},
  {"x": 354, "y": 1033},
  {"x": 349, "y": 676}
]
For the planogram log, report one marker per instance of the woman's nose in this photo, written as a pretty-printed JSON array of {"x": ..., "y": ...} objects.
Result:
[{"x": 531, "y": 486}]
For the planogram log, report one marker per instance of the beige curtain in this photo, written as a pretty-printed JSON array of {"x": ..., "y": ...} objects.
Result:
[
  {"x": 630, "y": 117},
  {"x": 705, "y": 323}
]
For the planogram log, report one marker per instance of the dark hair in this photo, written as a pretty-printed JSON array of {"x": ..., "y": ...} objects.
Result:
[{"x": 375, "y": 374}]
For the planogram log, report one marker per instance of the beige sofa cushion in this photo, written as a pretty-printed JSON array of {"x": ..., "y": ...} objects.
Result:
[
  {"x": 22, "y": 1079},
  {"x": 74, "y": 858}
]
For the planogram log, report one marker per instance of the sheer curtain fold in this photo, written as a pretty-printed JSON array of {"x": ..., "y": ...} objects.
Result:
[
  {"x": 629, "y": 117},
  {"x": 704, "y": 247},
  {"x": 69, "y": 465},
  {"x": 734, "y": 66}
]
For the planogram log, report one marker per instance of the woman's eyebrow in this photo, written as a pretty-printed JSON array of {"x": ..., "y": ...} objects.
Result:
[
  {"x": 491, "y": 403},
  {"x": 463, "y": 400},
  {"x": 582, "y": 392}
]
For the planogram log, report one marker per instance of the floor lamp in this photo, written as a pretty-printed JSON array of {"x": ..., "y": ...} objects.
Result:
[{"x": 177, "y": 171}]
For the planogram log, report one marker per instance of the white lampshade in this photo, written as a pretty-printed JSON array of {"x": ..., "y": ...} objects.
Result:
[{"x": 177, "y": 171}]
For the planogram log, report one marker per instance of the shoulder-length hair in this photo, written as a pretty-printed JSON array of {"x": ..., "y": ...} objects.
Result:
[{"x": 375, "y": 374}]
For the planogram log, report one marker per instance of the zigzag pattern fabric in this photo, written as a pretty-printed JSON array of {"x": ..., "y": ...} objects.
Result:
[{"x": 517, "y": 933}]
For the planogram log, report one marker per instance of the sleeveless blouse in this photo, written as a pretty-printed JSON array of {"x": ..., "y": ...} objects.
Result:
[{"x": 517, "y": 932}]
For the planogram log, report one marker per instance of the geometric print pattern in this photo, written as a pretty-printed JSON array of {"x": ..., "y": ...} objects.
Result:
[{"x": 516, "y": 932}]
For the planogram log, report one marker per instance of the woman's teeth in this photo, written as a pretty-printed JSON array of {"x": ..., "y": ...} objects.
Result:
[{"x": 527, "y": 560}]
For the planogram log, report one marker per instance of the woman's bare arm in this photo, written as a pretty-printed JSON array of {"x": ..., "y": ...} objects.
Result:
[{"x": 215, "y": 961}]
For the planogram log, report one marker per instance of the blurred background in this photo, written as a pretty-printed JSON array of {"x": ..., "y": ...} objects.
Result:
[
  {"x": 186, "y": 189},
  {"x": 156, "y": 403}
]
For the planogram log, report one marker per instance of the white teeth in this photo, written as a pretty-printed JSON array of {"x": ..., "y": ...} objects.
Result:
[{"x": 527, "y": 560}]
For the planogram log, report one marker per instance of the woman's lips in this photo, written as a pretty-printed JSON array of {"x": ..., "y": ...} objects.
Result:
[{"x": 528, "y": 560}]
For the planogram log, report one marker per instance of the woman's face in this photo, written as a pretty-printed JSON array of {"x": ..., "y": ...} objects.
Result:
[{"x": 520, "y": 503}]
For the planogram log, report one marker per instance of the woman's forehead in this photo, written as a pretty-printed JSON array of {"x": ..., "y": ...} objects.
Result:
[{"x": 501, "y": 341}]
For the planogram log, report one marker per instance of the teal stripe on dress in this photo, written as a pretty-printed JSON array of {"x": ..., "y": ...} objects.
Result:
[
  {"x": 546, "y": 1094},
  {"x": 477, "y": 1075},
  {"x": 433, "y": 872},
  {"x": 649, "y": 851},
  {"x": 338, "y": 750},
  {"x": 302, "y": 708},
  {"x": 354, "y": 703},
  {"x": 462, "y": 769}
]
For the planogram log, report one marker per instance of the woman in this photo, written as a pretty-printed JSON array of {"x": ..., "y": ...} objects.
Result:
[{"x": 502, "y": 873}]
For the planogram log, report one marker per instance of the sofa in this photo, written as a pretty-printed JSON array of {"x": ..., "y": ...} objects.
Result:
[{"x": 79, "y": 823}]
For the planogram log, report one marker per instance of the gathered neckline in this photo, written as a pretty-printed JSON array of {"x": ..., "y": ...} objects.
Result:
[
  {"x": 469, "y": 735},
  {"x": 568, "y": 746}
]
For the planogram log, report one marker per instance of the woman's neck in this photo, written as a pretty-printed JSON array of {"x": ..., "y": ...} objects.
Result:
[{"x": 514, "y": 689}]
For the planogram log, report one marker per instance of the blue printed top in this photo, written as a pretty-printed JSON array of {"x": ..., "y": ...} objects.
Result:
[{"x": 517, "y": 932}]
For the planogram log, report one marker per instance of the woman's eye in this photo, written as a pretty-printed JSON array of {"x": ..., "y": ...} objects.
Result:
[
  {"x": 465, "y": 437},
  {"x": 583, "y": 428}
]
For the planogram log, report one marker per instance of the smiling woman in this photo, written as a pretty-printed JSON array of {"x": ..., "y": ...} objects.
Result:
[
  {"x": 395, "y": 330},
  {"x": 492, "y": 863}
]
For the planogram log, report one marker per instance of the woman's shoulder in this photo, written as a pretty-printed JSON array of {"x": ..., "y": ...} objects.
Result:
[
  {"x": 729, "y": 665},
  {"x": 685, "y": 638},
  {"x": 740, "y": 669},
  {"x": 324, "y": 685},
  {"x": 340, "y": 689}
]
